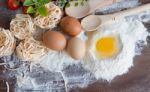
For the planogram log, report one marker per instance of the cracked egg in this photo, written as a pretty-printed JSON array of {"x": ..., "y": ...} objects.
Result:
[{"x": 105, "y": 46}]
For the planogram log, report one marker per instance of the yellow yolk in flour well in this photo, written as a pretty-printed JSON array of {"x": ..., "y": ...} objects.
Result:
[{"x": 107, "y": 47}]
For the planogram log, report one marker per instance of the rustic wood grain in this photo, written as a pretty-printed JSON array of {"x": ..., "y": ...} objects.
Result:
[{"x": 136, "y": 80}]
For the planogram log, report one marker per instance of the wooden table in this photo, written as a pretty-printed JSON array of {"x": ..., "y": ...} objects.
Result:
[{"x": 136, "y": 80}]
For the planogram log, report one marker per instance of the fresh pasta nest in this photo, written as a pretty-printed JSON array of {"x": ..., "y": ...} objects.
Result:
[
  {"x": 51, "y": 20},
  {"x": 31, "y": 50},
  {"x": 7, "y": 42},
  {"x": 22, "y": 26}
]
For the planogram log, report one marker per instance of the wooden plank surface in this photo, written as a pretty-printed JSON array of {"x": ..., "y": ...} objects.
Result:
[{"x": 136, "y": 80}]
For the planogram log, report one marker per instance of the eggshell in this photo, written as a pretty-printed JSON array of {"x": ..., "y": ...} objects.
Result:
[
  {"x": 70, "y": 26},
  {"x": 76, "y": 48},
  {"x": 54, "y": 40}
]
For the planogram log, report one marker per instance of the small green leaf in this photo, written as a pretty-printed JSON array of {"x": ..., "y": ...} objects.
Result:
[
  {"x": 28, "y": 3},
  {"x": 82, "y": 3},
  {"x": 44, "y": 1},
  {"x": 36, "y": 1},
  {"x": 68, "y": 5},
  {"x": 42, "y": 11},
  {"x": 76, "y": 4},
  {"x": 30, "y": 10}
]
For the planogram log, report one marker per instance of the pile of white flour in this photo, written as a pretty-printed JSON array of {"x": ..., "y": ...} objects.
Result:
[{"x": 132, "y": 35}]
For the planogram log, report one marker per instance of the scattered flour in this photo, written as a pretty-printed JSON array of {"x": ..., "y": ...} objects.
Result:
[
  {"x": 59, "y": 72},
  {"x": 132, "y": 34}
]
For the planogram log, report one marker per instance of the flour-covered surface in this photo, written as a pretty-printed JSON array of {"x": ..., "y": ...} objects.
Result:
[
  {"x": 23, "y": 77},
  {"x": 131, "y": 43}
]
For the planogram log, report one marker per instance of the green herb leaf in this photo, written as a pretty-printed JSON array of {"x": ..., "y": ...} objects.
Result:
[
  {"x": 46, "y": 1},
  {"x": 42, "y": 2},
  {"x": 76, "y": 4},
  {"x": 28, "y": 3},
  {"x": 42, "y": 11},
  {"x": 30, "y": 10},
  {"x": 68, "y": 5},
  {"x": 36, "y": 1},
  {"x": 82, "y": 3}
]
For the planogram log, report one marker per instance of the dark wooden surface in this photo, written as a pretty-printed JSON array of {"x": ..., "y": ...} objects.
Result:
[{"x": 136, "y": 80}]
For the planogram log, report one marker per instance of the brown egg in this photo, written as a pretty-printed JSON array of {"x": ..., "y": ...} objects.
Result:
[
  {"x": 76, "y": 48},
  {"x": 70, "y": 26},
  {"x": 54, "y": 40}
]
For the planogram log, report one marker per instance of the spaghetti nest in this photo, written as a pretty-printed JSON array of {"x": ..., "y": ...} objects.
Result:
[
  {"x": 22, "y": 26},
  {"x": 31, "y": 50},
  {"x": 51, "y": 20},
  {"x": 7, "y": 42}
]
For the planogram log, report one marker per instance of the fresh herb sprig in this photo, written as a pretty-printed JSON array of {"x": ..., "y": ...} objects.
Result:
[
  {"x": 37, "y": 6},
  {"x": 78, "y": 3}
]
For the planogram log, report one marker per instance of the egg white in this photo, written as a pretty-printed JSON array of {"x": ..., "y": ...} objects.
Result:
[{"x": 101, "y": 34}]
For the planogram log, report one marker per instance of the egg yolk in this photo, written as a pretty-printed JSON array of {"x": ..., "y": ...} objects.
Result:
[{"x": 107, "y": 47}]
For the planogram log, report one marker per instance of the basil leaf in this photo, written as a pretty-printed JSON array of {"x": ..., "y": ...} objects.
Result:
[
  {"x": 76, "y": 4},
  {"x": 28, "y": 3},
  {"x": 36, "y": 1},
  {"x": 30, "y": 10},
  {"x": 42, "y": 11},
  {"x": 82, "y": 3},
  {"x": 68, "y": 5},
  {"x": 44, "y": 1}
]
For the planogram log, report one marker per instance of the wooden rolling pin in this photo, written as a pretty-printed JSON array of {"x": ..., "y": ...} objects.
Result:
[{"x": 87, "y": 8}]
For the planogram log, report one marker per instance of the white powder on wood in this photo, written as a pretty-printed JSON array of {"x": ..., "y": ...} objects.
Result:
[
  {"x": 73, "y": 73},
  {"x": 132, "y": 34}
]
